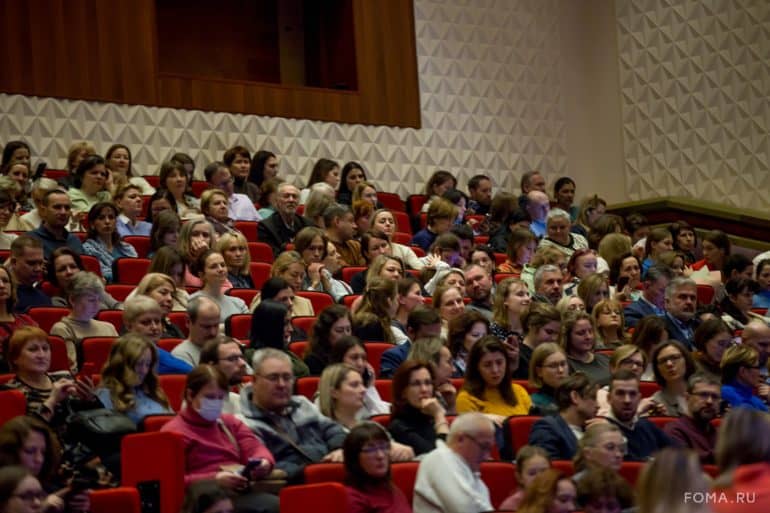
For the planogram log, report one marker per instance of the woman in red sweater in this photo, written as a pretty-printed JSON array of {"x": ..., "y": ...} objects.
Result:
[{"x": 218, "y": 446}]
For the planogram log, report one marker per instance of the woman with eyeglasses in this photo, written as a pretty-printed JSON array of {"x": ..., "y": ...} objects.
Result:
[
  {"x": 90, "y": 180},
  {"x": 711, "y": 338},
  {"x": 601, "y": 446},
  {"x": 547, "y": 369},
  {"x": 20, "y": 491},
  {"x": 610, "y": 324},
  {"x": 632, "y": 358},
  {"x": 673, "y": 365},
  {"x": 740, "y": 375},
  {"x": 366, "y": 452},
  {"x": 417, "y": 418}
]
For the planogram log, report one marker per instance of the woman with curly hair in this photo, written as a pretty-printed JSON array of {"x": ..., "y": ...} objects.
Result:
[{"x": 129, "y": 382}]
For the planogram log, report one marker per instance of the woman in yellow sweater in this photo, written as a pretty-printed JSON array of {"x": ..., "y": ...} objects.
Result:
[{"x": 488, "y": 387}]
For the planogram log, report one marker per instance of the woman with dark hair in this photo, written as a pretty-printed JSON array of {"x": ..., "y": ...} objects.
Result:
[
  {"x": 351, "y": 351},
  {"x": 174, "y": 178},
  {"x": 417, "y": 417},
  {"x": 20, "y": 491},
  {"x": 716, "y": 248},
  {"x": 118, "y": 161},
  {"x": 659, "y": 240},
  {"x": 484, "y": 256},
  {"x": 312, "y": 243},
  {"x": 581, "y": 264},
  {"x": 458, "y": 199},
  {"x": 271, "y": 327},
  {"x": 352, "y": 174},
  {"x": 578, "y": 341},
  {"x": 712, "y": 338},
  {"x": 165, "y": 233},
  {"x": 16, "y": 151},
  {"x": 214, "y": 441},
  {"x": 685, "y": 240},
  {"x": 488, "y": 387},
  {"x": 548, "y": 368},
  {"x": 103, "y": 240},
  {"x": 649, "y": 331},
  {"x": 366, "y": 453},
  {"x": 332, "y": 324},
  {"x": 90, "y": 178},
  {"x": 61, "y": 268},
  {"x": 409, "y": 298},
  {"x": 511, "y": 303},
  {"x": 625, "y": 270},
  {"x": 268, "y": 193},
  {"x": 564, "y": 196},
  {"x": 206, "y": 496},
  {"x": 737, "y": 303},
  {"x": 160, "y": 201},
  {"x": 324, "y": 170},
  {"x": 438, "y": 183},
  {"x": 531, "y": 461},
  {"x": 372, "y": 319},
  {"x": 521, "y": 246},
  {"x": 762, "y": 298},
  {"x": 264, "y": 166},
  {"x": 673, "y": 365}
]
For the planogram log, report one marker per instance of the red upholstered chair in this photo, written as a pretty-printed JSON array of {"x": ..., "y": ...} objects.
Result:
[
  {"x": 238, "y": 326},
  {"x": 351, "y": 270},
  {"x": 382, "y": 419},
  {"x": 423, "y": 220},
  {"x": 115, "y": 500},
  {"x": 518, "y": 428},
  {"x": 114, "y": 317},
  {"x": 648, "y": 388},
  {"x": 385, "y": 389},
  {"x": 153, "y": 423},
  {"x": 248, "y": 229},
  {"x": 179, "y": 319},
  {"x": 401, "y": 238},
  {"x": 12, "y": 404},
  {"x": 141, "y": 244},
  {"x": 47, "y": 316},
  {"x": 298, "y": 347},
  {"x": 260, "y": 252},
  {"x": 404, "y": 475},
  {"x": 630, "y": 471},
  {"x": 500, "y": 258},
  {"x": 5, "y": 378},
  {"x": 526, "y": 385},
  {"x": 198, "y": 186},
  {"x": 418, "y": 251},
  {"x": 324, "y": 473},
  {"x": 173, "y": 385},
  {"x": 260, "y": 273},
  {"x": 320, "y": 300},
  {"x": 499, "y": 476},
  {"x": 565, "y": 466},
  {"x": 119, "y": 292},
  {"x": 305, "y": 323},
  {"x": 96, "y": 351},
  {"x": 392, "y": 201},
  {"x": 307, "y": 386},
  {"x": 660, "y": 422},
  {"x": 247, "y": 295},
  {"x": 167, "y": 467},
  {"x": 374, "y": 352},
  {"x": 705, "y": 294},
  {"x": 403, "y": 224},
  {"x": 324, "y": 498},
  {"x": 90, "y": 263},
  {"x": 349, "y": 300},
  {"x": 481, "y": 239},
  {"x": 168, "y": 344},
  {"x": 59, "y": 359},
  {"x": 130, "y": 271},
  {"x": 501, "y": 276}
]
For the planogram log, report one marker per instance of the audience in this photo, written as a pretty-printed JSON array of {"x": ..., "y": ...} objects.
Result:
[
  {"x": 531, "y": 461},
  {"x": 55, "y": 210},
  {"x": 740, "y": 374},
  {"x": 203, "y": 316},
  {"x": 103, "y": 242},
  {"x": 694, "y": 429},
  {"x": 548, "y": 369},
  {"x": 673, "y": 365},
  {"x": 578, "y": 341},
  {"x": 25, "y": 265}
]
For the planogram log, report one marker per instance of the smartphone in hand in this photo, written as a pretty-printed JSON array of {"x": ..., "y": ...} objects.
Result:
[{"x": 250, "y": 466}]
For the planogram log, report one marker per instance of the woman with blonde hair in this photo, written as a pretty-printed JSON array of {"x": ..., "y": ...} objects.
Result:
[
  {"x": 632, "y": 358},
  {"x": 290, "y": 266},
  {"x": 144, "y": 317},
  {"x": 547, "y": 369},
  {"x": 372, "y": 320},
  {"x": 235, "y": 248},
  {"x": 341, "y": 394},
  {"x": 592, "y": 289},
  {"x": 550, "y": 492},
  {"x": 162, "y": 289},
  {"x": 366, "y": 191},
  {"x": 384, "y": 220},
  {"x": 448, "y": 300},
  {"x": 666, "y": 482},
  {"x": 610, "y": 324},
  {"x": 602, "y": 445},
  {"x": 578, "y": 341},
  {"x": 168, "y": 261},
  {"x": 130, "y": 382},
  {"x": 195, "y": 238}
]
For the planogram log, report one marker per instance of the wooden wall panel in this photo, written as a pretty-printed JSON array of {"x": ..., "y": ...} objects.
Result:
[{"x": 106, "y": 50}]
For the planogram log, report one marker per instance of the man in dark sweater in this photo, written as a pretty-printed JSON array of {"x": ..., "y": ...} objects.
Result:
[
  {"x": 695, "y": 430},
  {"x": 26, "y": 264},
  {"x": 281, "y": 227},
  {"x": 643, "y": 437}
]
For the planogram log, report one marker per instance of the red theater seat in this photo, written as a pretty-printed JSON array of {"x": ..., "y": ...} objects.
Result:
[
  {"x": 167, "y": 467},
  {"x": 47, "y": 316},
  {"x": 320, "y": 300},
  {"x": 115, "y": 500},
  {"x": 12, "y": 404},
  {"x": 238, "y": 326},
  {"x": 307, "y": 386},
  {"x": 320, "y": 497}
]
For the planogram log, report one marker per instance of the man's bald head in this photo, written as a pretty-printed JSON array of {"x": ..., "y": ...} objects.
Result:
[{"x": 756, "y": 334}]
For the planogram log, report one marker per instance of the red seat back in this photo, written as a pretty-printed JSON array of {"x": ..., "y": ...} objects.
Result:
[
  {"x": 298, "y": 347},
  {"x": 167, "y": 468},
  {"x": 374, "y": 352},
  {"x": 660, "y": 422},
  {"x": 12, "y": 404},
  {"x": 47, "y": 316},
  {"x": 351, "y": 270},
  {"x": 141, "y": 244},
  {"x": 247, "y": 295},
  {"x": 404, "y": 474},
  {"x": 115, "y": 500},
  {"x": 383, "y": 419},
  {"x": 153, "y": 423},
  {"x": 168, "y": 344},
  {"x": 401, "y": 238},
  {"x": 324, "y": 473},
  {"x": 198, "y": 186},
  {"x": 648, "y": 388},
  {"x": 349, "y": 300},
  {"x": 630, "y": 471},
  {"x": 385, "y": 389},
  {"x": 238, "y": 326},
  {"x": 705, "y": 294},
  {"x": 119, "y": 292},
  {"x": 173, "y": 385},
  {"x": 324, "y": 498},
  {"x": 320, "y": 300},
  {"x": 130, "y": 271},
  {"x": 307, "y": 386},
  {"x": 519, "y": 427},
  {"x": 260, "y": 252},
  {"x": 499, "y": 476},
  {"x": 179, "y": 319},
  {"x": 305, "y": 323},
  {"x": 403, "y": 224},
  {"x": 260, "y": 273},
  {"x": 248, "y": 229},
  {"x": 391, "y": 201},
  {"x": 114, "y": 317},
  {"x": 59, "y": 359},
  {"x": 96, "y": 351},
  {"x": 90, "y": 263}
]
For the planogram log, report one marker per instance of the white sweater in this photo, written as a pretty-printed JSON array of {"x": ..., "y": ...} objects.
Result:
[{"x": 446, "y": 484}]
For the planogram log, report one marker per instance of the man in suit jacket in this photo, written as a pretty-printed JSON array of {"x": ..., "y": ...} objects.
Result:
[
  {"x": 558, "y": 434},
  {"x": 680, "y": 319},
  {"x": 653, "y": 300},
  {"x": 280, "y": 228}
]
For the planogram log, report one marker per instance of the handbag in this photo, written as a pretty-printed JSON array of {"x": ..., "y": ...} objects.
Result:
[{"x": 100, "y": 429}]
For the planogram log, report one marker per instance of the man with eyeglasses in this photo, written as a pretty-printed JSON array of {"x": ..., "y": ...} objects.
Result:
[
  {"x": 559, "y": 434},
  {"x": 55, "y": 212},
  {"x": 290, "y": 426},
  {"x": 642, "y": 436},
  {"x": 226, "y": 354},
  {"x": 449, "y": 480},
  {"x": 694, "y": 430},
  {"x": 203, "y": 323},
  {"x": 239, "y": 206}
]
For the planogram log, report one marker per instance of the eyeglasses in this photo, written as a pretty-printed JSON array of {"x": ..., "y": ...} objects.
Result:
[
  {"x": 417, "y": 384},
  {"x": 632, "y": 363},
  {"x": 708, "y": 395},
  {"x": 484, "y": 446},
  {"x": 275, "y": 378},
  {"x": 31, "y": 495},
  {"x": 233, "y": 358},
  {"x": 375, "y": 448},
  {"x": 670, "y": 359},
  {"x": 555, "y": 365}
]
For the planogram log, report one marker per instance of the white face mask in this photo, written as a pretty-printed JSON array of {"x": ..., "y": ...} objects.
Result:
[{"x": 211, "y": 409}]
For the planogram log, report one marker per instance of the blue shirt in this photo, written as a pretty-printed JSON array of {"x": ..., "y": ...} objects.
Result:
[
  {"x": 740, "y": 395},
  {"x": 124, "y": 227},
  {"x": 169, "y": 364},
  {"x": 761, "y": 299},
  {"x": 143, "y": 404},
  {"x": 51, "y": 242}
]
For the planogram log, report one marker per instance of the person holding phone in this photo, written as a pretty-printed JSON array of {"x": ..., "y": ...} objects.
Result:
[
  {"x": 512, "y": 300},
  {"x": 220, "y": 446}
]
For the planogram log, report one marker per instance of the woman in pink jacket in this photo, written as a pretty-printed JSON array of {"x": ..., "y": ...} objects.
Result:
[{"x": 221, "y": 447}]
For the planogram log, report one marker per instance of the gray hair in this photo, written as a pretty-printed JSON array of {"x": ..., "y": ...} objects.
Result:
[
  {"x": 545, "y": 268},
  {"x": 469, "y": 423},
  {"x": 84, "y": 282},
  {"x": 678, "y": 283},
  {"x": 557, "y": 212},
  {"x": 138, "y": 305},
  {"x": 195, "y": 304},
  {"x": 266, "y": 353}
]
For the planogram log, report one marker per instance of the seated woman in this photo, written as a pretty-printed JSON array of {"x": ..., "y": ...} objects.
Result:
[
  {"x": 521, "y": 246},
  {"x": 716, "y": 248},
  {"x": 711, "y": 338},
  {"x": 84, "y": 292},
  {"x": 547, "y": 369},
  {"x": 736, "y": 306},
  {"x": 214, "y": 208},
  {"x": 351, "y": 351},
  {"x": 581, "y": 264},
  {"x": 417, "y": 419},
  {"x": 367, "y": 455},
  {"x": 290, "y": 267},
  {"x": 143, "y": 316},
  {"x": 195, "y": 238},
  {"x": 165, "y": 232},
  {"x": 217, "y": 445},
  {"x": 740, "y": 374},
  {"x": 174, "y": 178},
  {"x": 625, "y": 274},
  {"x": 541, "y": 324},
  {"x": 610, "y": 324},
  {"x": 47, "y": 393},
  {"x": 578, "y": 341},
  {"x": 384, "y": 221},
  {"x": 320, "y": 198},
  {"x": 558, "y": 234},
  {"x": 448, "y": 300},
  {"x": 550, "y": 491},
  {"x": 118, "y": 161},
  {"x": 603, "y": 489},
  {"x": 90, "y": 179},
  {"x": 447, "y": 276},
  {"x": 162, "y": 289},
  {"x": 341, "y": 394},
  {"x": 75, "y": 155},
  {"x": 632, "y": 358},
  {"x": 383, "y": 265},
  {"x": 438, "y": 183},
  {"x": 324, "y": 170},
  {"x": 129, "y": 382},
  {"x": 685, "y": 240},
  {"x": 761, "y": 298},
  {"x": 512, "y": 301},
  {"x": 235, "y": 248},
  {"x": 20, "y": 491},
  {"x": 168, "y": 261},
  {"x": 592, "y": 289},
  {"x": 211, "y": 269},
  {"x": 312, "y": 244},
  {"x": 464, "y": 331},
  {"x": 372, "y": 320},
  {"x": 649, "y": 331},
  {"x": 332, "y": 324},
  {"x": 601, "y": 446},
  {"x": 435, "y": 351},
  {"x": 441, "y": 215},
  {"x": 267, "y": 197},
  {"x": 409, "y": 298},
  {"x": 271, "y": 327},
  {"x": 488, "y": 387},
  {"x": 352, "y": 175},
  {"x": 362, "y": 215},
  {"x": 531, "y": 461},
  {"x": 8, "y": 208},
  {"x": 366, "y": 192},
  {"x": 159, "y": 202},
  {"x": 484, "y": 256},
  {"x": 673, "y": 366},
  {"x": 128, "y": 198},
  {"x": 28, "y": 442},
  {"x": 9, "y": 321},
  {"x": 103, "y": 241},
  {"x": 659, "y": 240}
]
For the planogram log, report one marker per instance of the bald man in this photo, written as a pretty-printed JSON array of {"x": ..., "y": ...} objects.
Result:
[
  {"x": 538, "y": 206},
  {"x": 757, "y": 335}
]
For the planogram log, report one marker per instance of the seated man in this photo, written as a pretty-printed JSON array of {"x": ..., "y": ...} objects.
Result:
[
  {"x": 203, "y": 321},
  {"x": 239, "y": 206},
  {"x": 694, "y": 430},
  {"x": 479, "y": 286},
  {"x": 642, "y": 436},
  {"x": 448, "y": 480},
  {"x": 290, "y": 426},
  {"x": 559, "y": 434},
  {"x": 756, "y": 334},
  {"x": 740, "y": 374},
  {"x": 225, "y": 353},
  {"x": 652, "y": 300},
  {"x": 280, "y": 228},
  {"x": 26, "y": 264},
  {"x": 421, "y": 323},
  {"x": 548, "y": 284},
  {"x": 680, "y": 302}
]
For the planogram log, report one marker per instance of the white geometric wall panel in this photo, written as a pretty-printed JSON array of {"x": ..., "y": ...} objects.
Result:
[
  {"x": 695, "y": 78},
  {"x": 491, "y": 101}
]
